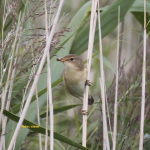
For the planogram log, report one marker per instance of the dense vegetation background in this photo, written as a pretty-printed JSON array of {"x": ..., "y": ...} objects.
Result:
[{"x": 22, "y": 41}]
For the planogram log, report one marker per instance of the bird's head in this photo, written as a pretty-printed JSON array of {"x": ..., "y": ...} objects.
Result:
[{"x": 72, "y": 61}]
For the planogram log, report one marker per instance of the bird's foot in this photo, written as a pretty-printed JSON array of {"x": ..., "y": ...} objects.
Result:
[
  {"x": 84, "y": 112},
  {"x": 88, "y": 83}
]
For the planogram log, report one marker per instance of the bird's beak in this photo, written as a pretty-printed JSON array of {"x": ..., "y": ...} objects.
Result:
[{"x": 61, "y": 59}]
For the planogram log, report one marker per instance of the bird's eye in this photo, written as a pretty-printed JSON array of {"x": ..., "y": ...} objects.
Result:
[{"x": 71, "y": 59}]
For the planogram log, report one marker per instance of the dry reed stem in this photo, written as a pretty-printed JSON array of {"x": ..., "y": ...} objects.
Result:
[
  {"x": 46, "y": 34},
  {"x": 106, "y": 144},
  {"x": 46, "y": 131},
  {"x": 89, "y": 58},
  {"x": 51, "y": 119},
  {"x": 36, "y": 77},
  {"x": 116, "y": 90},
  {"x": 143, "y": 84}
]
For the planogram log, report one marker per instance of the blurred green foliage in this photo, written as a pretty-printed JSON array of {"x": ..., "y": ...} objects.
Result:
[{"x": 72, "y": 37}]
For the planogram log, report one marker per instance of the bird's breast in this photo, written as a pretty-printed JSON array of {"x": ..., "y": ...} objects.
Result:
[{"x": 75, "y": 82}]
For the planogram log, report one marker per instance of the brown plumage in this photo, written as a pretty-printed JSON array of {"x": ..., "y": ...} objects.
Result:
[{"x": 75, "y": 75}]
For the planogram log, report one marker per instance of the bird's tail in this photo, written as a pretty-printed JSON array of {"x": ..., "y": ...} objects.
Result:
[{"x": 90, "y": 100}]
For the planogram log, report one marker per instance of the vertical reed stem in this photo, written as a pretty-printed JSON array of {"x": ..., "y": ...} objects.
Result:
[
  {"x": 102, "y": 85},
  {"x": 89, "y": 58},
  {"x": 51, "y": 119},
  {"x": 143, "y": 84},
  {"x": 116, "y": 93}
]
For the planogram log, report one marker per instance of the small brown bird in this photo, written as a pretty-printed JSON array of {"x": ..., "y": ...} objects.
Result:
[{"x": 75, "y": 76}]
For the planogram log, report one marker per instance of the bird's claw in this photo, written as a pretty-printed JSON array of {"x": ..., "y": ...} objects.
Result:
[
  {"x": 87, "y": 82},
  {"x": 84, "y": 112}
]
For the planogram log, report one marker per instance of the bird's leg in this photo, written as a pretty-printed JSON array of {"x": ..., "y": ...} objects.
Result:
[
  {"x": 84, "y": 112},
  {"x": 88, "y": 83}
]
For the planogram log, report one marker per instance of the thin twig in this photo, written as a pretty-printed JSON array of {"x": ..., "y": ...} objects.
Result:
[
  {"x": 46, "y": 131},
  {"x": 46, "y": 34},
  {"x": 51, "y": 119},
  {"x": 36, "y": 77},
  {"x": 143, "y": 84},
  {"x": 116, "y": 93},
  {"x": 102, "y": 85}
]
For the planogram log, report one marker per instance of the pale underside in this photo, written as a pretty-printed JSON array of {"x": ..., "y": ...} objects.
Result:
[{"x": 75, "y": 82}]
